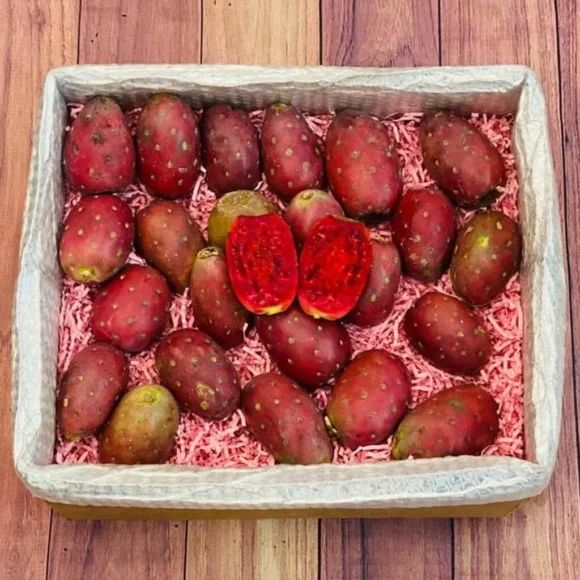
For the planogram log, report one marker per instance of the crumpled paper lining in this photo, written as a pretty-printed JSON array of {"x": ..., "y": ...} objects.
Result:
[{"x": 411, "y": 484}]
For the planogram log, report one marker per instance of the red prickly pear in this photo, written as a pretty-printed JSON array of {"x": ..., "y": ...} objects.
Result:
[
  {"x": 285, "y": 420},
  {"x": 292, "y": 154},
  {"x": 168, "y": 146},
  {"x": 461, "y": 159},
  {"x": 198, "y": 373},
  {"x": 309, "y": 351},
  {"x": 97, "y": 239},
  {"x": 94, "y": 380},
  {"x": 448, "y": 334},
  {"x": 231, "y": 152},
  {"x": 130, "y": 311},
  {"x": 99, "y": 154},
  {"x": 334, "y": 267},
  {"x": 368, "y": 399},
  {"x": 486, "y": 256},
  {"x": 462, "y": 420},
  {"x": 424, "y": 231},
  {"x": 363, "y": 167}
]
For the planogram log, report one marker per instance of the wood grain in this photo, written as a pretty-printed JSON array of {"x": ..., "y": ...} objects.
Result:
[
  {"x": 50, "y": 28},
  {"x": 545, "y": 530}
]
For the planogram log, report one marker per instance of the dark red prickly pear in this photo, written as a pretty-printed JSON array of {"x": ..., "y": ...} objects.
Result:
[
  {"x": 99, "y": 154},
  {"x": 462, "y": 420},
  {"x": 168, "y": 146},
  {"x": 131, "y": 310},
  {"x": 285, "y": 420},
  {"x": 97, "y": 239}
]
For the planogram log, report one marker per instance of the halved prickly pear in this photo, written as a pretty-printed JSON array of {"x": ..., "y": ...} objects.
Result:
[
  {"x": 334, "y": 267},
  {"x": 262, "y": 263}
]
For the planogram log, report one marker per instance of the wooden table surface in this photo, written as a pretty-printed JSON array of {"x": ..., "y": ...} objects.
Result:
[{"x": 538, "y": 541}]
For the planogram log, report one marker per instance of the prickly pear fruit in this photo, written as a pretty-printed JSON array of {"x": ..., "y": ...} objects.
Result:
[
  {"x": 231, "y": 152},
  {"x": 198, "y": 373},
  {"x": 309, "y": 351},
  {"x": 308, "y": 208},
  {"x": 142, "y": 429},
  {"x": 262, "y": 263},
  {"x": 362, "y": 165},
  {"x": 462, "y": 420},
  {"x": 131, "y": 309},
  {"x": 486, "y": 256},
  {"x": 378, "y": 297},
  {"x": 169, "y": 239},
  {"x": 448, "y": 334},
  {"x": 216, "y": 309},
  {"x": 97, "y": 239},
  {"x": 94, "y": 380},
  {"x": 229, "y": 207},
  {"x": 368, "y": 399},
  {"x": 334, "y": 267},
  {"x": 168, "y": 146},
  {"x": 292, "y": 154},
  {"x": 424, "y": 231},
  {"x": 99, "y": 154},
  {"x": 285, "y": 420},
  {"x": 461, "y": 159}
]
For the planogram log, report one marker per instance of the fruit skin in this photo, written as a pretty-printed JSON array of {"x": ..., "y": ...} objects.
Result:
[
  {"x": 378, "y": 297},
  {"x": 198, "y": 373},
  {"x": 99, "y": 154},
  {"x": 168, "y": 147},
  {"x": 334, "y": 267},
  {"x": 262, "y": 263},
  {"x": 229, "y": 207},
  {"x": 424, "y": 231},
  {"x": 291, "y": 152},
  {"x": 461, "y": 159},
  {"x": 448, "y": 334},
  {"x": 285, "y": 420},
  {"x": 486, "y": 256},
  {"x": 231, "y": 152},
  {"x": 308, "y": 208},
  {"x": 362, "y": 165},
  {"x": 462, "y": 420},
  {"x": 369, "y": 399},
  {"x": 216, "y": 309},
  {"x": 308, "y": 351},
  {"x": 97, "y": 239},
  {"x": 142, "y": 429},
  {"x": 94, "y": 380},
  {"x": 131, "y": 310},
  {"x": 169, "y": 239}
]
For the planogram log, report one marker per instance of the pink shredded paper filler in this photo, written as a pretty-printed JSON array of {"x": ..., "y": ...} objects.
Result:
[{"x": 228, "y": 443}]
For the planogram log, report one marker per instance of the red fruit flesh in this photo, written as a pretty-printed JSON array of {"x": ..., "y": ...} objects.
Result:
[
  {"x": 168, "y": 146},
  {"x": 231, "y": 152},
  {"x": 99, "y": 154},
  {"x": 131, "y": 309},
  {"x": 362, "y": 165},
  {"x": 378, "y": 298},
  {"x": 291, "y": 152},
  {"x": 462, "y": 420},
  {"x": 285, "y": 420},
  {"x": 369, "y": 399},
  {"x": 424, "y": 231},
  {"x": 262, "y": 263},
  {"x": 334, "y": 267},
  {"x": 448, "y": 334},
  {"x": 309, "y": 351},
  {"x": 97, "y": 239}
]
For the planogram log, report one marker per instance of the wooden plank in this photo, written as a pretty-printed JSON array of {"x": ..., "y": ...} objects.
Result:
[
  {"x": 353, "y": 33},
  {"x": 546, "y": 529},
  {"x": 50, "y": 28}
]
